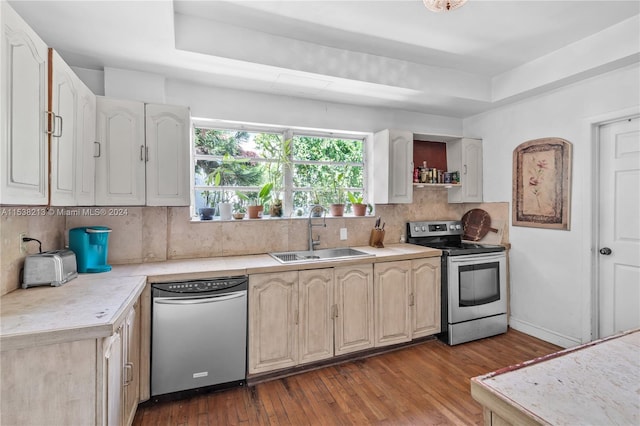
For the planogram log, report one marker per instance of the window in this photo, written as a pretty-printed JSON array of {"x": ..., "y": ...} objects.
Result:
[{"x": 273, "y": 166}]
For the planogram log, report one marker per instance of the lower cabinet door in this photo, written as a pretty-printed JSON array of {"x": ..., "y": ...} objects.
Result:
[
  {"x": 112, "y": 380},
  {"x": 315, "y": 327},
  {"x": 392, "y": 294},
  {"x": 354, "y": 302},
  {"x": 426, "y": 296},
  {"x": 273, "y": 314}
]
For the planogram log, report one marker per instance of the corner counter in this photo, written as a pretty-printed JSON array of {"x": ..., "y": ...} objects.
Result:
[{"x": 596, "y": 383}]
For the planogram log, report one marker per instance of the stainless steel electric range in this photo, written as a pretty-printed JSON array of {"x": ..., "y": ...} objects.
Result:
[{"x": 474, "y": 282}]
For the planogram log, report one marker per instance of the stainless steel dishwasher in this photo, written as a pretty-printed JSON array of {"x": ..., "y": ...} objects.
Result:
[{"x": 198, "y": 334}]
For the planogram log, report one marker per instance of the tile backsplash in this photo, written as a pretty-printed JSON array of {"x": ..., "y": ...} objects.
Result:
[{"x": 153, "y": 234}]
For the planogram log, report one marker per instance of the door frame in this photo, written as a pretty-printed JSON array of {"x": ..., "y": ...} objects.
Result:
[{"x": 591, "y": 324}]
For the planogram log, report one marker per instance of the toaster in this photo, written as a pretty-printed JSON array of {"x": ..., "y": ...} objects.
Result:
[{"x": 52, "y": 268}]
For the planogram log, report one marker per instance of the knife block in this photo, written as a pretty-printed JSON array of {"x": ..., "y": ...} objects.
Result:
[{"x": 376, "y": 238}]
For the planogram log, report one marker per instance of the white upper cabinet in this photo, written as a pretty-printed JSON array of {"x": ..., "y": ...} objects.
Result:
[
  {"x": 23, "y": 105},
  {"x": 465, "y": 156},
  {"x": 73, "y": 108},
  {"x": 167, "y": 154},
  {"x": 86, "y": 147},
  {"x": 120, "y": 168},
  {"x": 142, "y": 164},
  {"x": 390, "y": 160}
]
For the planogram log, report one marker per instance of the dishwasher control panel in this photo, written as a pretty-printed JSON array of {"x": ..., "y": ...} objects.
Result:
[{"x": 204, "y": 286}]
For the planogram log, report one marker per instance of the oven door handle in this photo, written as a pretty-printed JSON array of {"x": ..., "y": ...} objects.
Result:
[
  {"x": 475, "y": 259},
  {"x": 197, "y": 300}
]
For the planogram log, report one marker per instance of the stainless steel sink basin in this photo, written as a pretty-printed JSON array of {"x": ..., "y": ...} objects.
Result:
[{"x": 319, "y": 255}]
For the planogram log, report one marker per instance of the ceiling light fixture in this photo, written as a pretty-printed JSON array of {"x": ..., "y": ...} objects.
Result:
[{"x": 443, "y": 5}]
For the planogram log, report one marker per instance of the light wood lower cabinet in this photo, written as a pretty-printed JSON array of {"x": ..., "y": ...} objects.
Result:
[
  {"x": 301, "y": 317},
  {"x": 354, "y": 308},
  {"x": 425, "y": 309},
  {"x": 392, "y": 292},
  {"x": 85, "y": 382},
  {"x": 407, "y": 295},
  {"x": 273, "y": 312},
  {"x": 315, "y": 304},
  {"x": 305, "y": 316}
]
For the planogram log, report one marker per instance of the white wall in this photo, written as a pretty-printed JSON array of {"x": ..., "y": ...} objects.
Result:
[
  {"x": 243, "y": 105},
  {"x": 551, "y": 270}
]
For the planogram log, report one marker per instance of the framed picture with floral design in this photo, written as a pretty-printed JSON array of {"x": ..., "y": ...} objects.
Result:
[{"x": 542, "y": 184}]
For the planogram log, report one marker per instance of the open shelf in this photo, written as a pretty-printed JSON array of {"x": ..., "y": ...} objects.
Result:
[{"x": 437, "y": 185}]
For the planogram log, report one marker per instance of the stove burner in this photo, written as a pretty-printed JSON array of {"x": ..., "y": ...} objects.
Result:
[{"x": 445, "y": 235}]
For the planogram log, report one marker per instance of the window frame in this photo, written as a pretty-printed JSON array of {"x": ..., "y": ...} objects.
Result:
[{"x": 287, "y": 132}]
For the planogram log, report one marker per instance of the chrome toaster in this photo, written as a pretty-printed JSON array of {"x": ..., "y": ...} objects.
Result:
[{"x": 52, "y": 268}]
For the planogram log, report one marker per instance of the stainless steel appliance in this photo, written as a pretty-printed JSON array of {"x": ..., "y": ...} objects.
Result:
[
  {"x": 198, "y": 335},
  {"x": 52, "y": 268},
  {"x": 474, "y": 281}
]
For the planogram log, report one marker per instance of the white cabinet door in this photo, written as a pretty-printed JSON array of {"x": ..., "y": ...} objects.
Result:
[
  {"x": 315, "y": 325},
  {"x": 131, "y": 358},
  {"x": 392, "y": 289},
  {"x": 425, "y": 296},
  {"x": 120, "y": 169},
  {"x": 64, "y": 103},
  {"x": 273, "y": 313},
  {"x": 112, "y": 380},
  {"x": 167, "y": 155},
  {"x": 23, "y": 105},
  {"x": 390, "y": 161},
  {"x": 86, "y": 147},
  {"x": 465, "y": 156},
  {"x": 354, "y": 301}
]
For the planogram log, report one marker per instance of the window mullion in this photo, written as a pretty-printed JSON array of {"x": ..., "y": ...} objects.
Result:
[{"x": 288, "y": 175}]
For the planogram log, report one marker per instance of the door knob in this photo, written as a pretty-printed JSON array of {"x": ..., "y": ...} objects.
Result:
[{"x": 605, "y": 250}]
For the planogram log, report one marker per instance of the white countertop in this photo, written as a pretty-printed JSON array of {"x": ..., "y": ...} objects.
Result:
[
  {"x": 91, "y": 305},
  {"x": 593, "y": 384}
]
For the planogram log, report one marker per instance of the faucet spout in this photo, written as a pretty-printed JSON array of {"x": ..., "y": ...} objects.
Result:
[{"x": 316, "y": 210}]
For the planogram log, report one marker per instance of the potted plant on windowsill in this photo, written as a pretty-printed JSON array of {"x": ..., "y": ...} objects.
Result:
[
  {"x": 207, "y": 213},
  {"x": 337, "y": 196},
  {"x": 359, "y": 208},
  {"x": 257, "y": 201}
]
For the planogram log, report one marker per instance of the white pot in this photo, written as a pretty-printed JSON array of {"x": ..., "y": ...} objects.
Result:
[{"x": 225, "y": 211}]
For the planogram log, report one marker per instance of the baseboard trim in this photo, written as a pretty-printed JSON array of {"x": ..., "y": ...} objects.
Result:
[{"x": 543, "y": 333}]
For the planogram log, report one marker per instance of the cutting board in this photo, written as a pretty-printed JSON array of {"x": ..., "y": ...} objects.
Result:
[{"x": 476, "y": 223}]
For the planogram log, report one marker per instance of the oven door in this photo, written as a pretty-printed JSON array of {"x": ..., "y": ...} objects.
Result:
[{"x": 477, "y": 286}]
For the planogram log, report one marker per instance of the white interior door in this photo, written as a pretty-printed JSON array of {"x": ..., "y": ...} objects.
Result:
[{"x": 619, "y": 248}]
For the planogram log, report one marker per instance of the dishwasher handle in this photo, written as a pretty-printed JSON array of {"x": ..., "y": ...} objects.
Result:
[{"x": 197, "y": 300}]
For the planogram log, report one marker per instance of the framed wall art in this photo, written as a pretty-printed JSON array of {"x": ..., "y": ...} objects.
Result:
[{"x": 542, "y": 184}]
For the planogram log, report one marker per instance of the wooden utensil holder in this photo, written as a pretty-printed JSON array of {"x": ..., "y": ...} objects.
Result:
[{"x": 376, "y": 238}]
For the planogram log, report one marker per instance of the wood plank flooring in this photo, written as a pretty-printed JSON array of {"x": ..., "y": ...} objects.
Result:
[{"x": 426, "y": 384}]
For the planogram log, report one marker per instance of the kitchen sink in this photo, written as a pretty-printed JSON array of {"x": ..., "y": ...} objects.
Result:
[{"x": 319, "y": 255}]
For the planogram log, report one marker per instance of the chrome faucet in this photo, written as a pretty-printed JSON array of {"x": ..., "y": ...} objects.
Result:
[{"x": 316, "y": 209}]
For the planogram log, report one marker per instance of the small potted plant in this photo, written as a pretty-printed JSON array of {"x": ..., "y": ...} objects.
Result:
[
  {"x": 239, "y": 210},
  {"x": 337, "y": 196},
  {"x": 206, "y": 213},
  {"x": 315, "y": 201},
  {"x": 359, "y": 208},
  {"x": 257, "y": 201}
]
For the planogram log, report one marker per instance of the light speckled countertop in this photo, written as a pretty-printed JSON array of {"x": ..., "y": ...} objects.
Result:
[
  {"x": 594, "y": 384},
  {"x": 91, "y": 305}
]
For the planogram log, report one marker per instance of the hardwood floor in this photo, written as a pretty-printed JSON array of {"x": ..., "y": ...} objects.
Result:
[{"x": 426, "y": 384}]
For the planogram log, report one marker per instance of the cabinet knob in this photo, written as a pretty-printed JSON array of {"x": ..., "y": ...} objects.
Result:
[{"x": 605, "y": 251}]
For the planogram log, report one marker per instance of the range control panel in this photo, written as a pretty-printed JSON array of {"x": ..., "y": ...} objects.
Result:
[{"x": 434, "y": 228}]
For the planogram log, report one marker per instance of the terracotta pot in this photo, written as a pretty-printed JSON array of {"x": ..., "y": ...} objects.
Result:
[
  {"x": 359, "y": 209},
  {"x": 255, "y": 212},
  {"x": 336, "y": 209}
]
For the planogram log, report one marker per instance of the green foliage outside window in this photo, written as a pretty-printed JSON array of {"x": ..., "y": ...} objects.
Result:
[{"x": 235, "y": 165}]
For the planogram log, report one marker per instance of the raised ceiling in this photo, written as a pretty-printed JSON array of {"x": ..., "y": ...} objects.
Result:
[{"x": 393, "y": 54}]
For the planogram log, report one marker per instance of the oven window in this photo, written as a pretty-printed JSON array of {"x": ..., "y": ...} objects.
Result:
[{"x": 479, "y": 284}]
